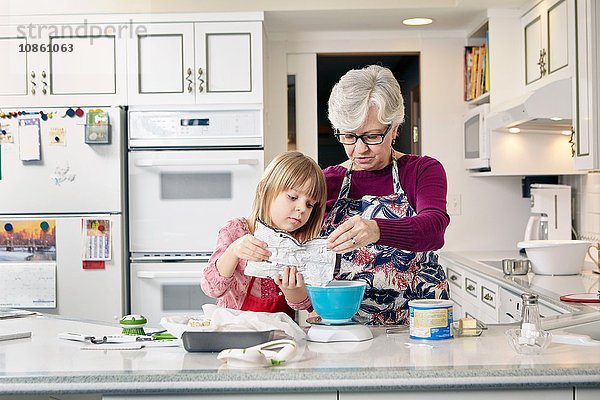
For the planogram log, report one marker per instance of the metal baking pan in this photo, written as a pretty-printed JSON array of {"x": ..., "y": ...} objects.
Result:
[{"x": 217, "y": 341}]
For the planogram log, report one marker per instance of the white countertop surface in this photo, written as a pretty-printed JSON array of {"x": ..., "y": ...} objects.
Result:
[
  {"x": 550, "y": 288},
  {"x": 46, "y": 364}
]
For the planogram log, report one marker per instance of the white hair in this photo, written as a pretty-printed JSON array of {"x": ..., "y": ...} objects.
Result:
[{"x": 360, "y": 89}]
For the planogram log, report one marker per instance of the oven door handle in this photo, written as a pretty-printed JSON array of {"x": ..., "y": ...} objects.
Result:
[
  {"x": 168, "y": 274},
  {"x": 195, "y": 163}
]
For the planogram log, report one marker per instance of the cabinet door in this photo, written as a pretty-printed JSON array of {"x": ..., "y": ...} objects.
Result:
[
  {"x": 546, "y": 394},
  {"x": 549, "y": 41},
  {"x": 85, "y": 67},
  {"x": 586, "y": 148},
  {"x": 15, "y": 71},
  {"x": 161, "y": 63},
  {"x": 533, "y": 28},
  {"x": 229, "y": 62},
  {"x": 558, "y": 36},
  {"x": 587, "y": 393}
]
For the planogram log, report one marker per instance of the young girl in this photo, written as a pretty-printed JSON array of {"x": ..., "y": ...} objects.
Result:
[{"x": 291, "y": 197}]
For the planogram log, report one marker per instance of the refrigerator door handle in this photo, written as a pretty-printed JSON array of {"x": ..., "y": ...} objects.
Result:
[
  {"x": 148, "y": 163},
  {"x": 168, "y": 274}
]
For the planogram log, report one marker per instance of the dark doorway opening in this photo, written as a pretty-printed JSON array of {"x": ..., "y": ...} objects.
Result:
[{"x": 331, "y": 67}]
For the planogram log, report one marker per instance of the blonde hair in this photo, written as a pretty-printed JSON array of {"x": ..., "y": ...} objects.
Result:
[
  {"x": 359, "y": 90},
  {"x": 290, "y": 170}
]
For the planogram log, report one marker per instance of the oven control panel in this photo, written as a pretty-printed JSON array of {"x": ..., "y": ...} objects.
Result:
[{"x": 215, "y": 128}]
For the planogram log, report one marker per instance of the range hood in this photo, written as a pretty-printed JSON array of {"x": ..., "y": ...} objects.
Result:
[{"x": 548, "y": 109}]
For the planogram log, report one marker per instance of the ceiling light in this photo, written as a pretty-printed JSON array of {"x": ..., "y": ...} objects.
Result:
[
  {"x": 556, "y": 118},
  {"x": 566, "y": 133},
  {"x": 514, "y": 130},
  {"x": 417, "y": 21}
]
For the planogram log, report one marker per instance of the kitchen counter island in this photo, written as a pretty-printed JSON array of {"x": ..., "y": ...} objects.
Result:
[{"x": 44, "y": 364}]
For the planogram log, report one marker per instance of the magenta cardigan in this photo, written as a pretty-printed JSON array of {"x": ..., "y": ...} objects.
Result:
[{"x": 423, "y": 179}]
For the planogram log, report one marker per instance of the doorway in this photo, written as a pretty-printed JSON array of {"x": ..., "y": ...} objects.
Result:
[{"x": 329, "y": 69}]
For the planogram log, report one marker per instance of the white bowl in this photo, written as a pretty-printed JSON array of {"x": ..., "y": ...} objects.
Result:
[{"x": 556, "y": 257}]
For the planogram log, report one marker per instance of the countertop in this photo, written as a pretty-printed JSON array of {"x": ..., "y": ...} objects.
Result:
[
  {"x": 549, "y": 288},
  {"x": 44, "y": 364}
]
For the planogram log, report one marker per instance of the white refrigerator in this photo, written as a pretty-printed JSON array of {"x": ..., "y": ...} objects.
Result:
[{"x": 62, "y": 186}]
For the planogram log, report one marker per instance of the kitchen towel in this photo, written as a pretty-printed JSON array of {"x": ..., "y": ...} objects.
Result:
[{"x": 226, "y": 319}]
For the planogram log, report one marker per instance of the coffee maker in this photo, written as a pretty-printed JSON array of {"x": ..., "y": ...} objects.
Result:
[{"x": 550, "y": 212}]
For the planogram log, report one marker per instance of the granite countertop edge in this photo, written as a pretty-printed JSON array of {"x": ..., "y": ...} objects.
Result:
[{"x": 371, "y": 379}]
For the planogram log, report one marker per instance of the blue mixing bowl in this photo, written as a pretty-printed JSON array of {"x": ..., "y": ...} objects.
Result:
[{"x": 338, "y": 301}]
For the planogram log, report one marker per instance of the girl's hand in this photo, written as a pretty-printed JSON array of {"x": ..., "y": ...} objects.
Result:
[
  {"x": 291, "y": 284},
  {"x": 291, "y": 279},
  {"x": 354, "y": 233},
  {"x": 250, "y": 248}
]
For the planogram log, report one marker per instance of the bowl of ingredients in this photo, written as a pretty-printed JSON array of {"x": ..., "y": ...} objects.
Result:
[
  {"x": 556, "y": 257},
  {"x": 338, "y": 301}
]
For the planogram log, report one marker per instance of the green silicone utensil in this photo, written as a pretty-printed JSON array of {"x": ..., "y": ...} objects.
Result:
[{"x": 133, "y": 324}]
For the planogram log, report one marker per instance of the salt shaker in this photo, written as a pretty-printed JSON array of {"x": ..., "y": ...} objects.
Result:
[
  {"x": 531, "y": 324},
  {"x": 530, "y": 338}
]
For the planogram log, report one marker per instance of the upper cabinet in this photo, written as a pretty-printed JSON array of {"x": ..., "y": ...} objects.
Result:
[
  {"x": 548, "y": 32},
  {"x": 196, "y": 63},
  {"x": 62, "y": 65},
  {"x": 586, "y": 138}
]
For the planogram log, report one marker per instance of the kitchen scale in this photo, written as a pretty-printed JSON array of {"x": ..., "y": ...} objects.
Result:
[{"x": 323, "y": 331}]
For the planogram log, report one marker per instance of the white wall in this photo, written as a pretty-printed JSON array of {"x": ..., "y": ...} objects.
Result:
[{"x": 493, "y": 214}]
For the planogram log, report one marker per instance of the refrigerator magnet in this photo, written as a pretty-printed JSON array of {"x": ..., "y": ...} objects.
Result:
[
  {"x": 57, "y": 136},
  {"x": 96, "y": 239}
]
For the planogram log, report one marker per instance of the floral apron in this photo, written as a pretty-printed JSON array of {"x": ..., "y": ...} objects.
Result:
[
  {"x": 393, "y": 276},
  {"x": 278, "y": 304}
]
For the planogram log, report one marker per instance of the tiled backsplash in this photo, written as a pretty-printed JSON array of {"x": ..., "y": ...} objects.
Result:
[{"x": 586, "y": 204}]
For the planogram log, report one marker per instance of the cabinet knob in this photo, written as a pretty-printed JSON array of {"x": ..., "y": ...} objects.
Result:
[
  {"x": 488, "y": 297},
  {"x": 572, "y": 142},
  {"x": 33, "y": 74},
  {"x": 453, "y": 278},
  {"x": 470, "y": 288},
  {"x": 189, "y": 80},
  {"x": 200, "y": 80},
  {"x": 542, "y": 62}
]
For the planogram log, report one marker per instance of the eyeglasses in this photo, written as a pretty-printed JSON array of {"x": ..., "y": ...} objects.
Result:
[{"x": 369, "y": 138}]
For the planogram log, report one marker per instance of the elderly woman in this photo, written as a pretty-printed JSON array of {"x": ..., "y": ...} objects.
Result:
[{"x": 386, "y": 211}]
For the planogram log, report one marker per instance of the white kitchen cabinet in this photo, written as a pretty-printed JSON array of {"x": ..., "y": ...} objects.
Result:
[
  {"x": 476, "y": 296},
  {"x": 586, "y": 393},
  {"x": 546, "y": 394},
  {"x": 62, "y": 65},
  {"x": 161, "y": 64},
  {"x": 549, "y": 42},
  {"x": 510, "y": 307},
  {"x": 196, "y": 63},
  {"x": 586, "y": 140},
  {"x": 244, "y": 396}
]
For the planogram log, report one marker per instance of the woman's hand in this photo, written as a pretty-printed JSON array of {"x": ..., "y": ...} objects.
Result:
[
  {"x": 354, "y": 233},
  {"x": 250, "y": 248},
  {"x": 291, "y": 284}
]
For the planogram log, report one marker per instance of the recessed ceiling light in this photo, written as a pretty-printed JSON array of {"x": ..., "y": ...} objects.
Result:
[
  {"x": 566, "y": 133},
  {"x": 556, "y": 118},
  {"x": 417, "y": 21},
  {"x": 514, "y": 130}
]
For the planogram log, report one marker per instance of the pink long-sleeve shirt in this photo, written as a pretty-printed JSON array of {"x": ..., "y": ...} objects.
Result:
[
  {"x": 423, "y": 179},
  {"x": 231, "y": 291}
]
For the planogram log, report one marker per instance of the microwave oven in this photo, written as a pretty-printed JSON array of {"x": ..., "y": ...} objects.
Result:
[{"x": 476, "y": 139}]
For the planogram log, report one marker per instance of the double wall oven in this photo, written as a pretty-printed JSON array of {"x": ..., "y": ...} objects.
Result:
[{"x": 189, "y": 173}]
